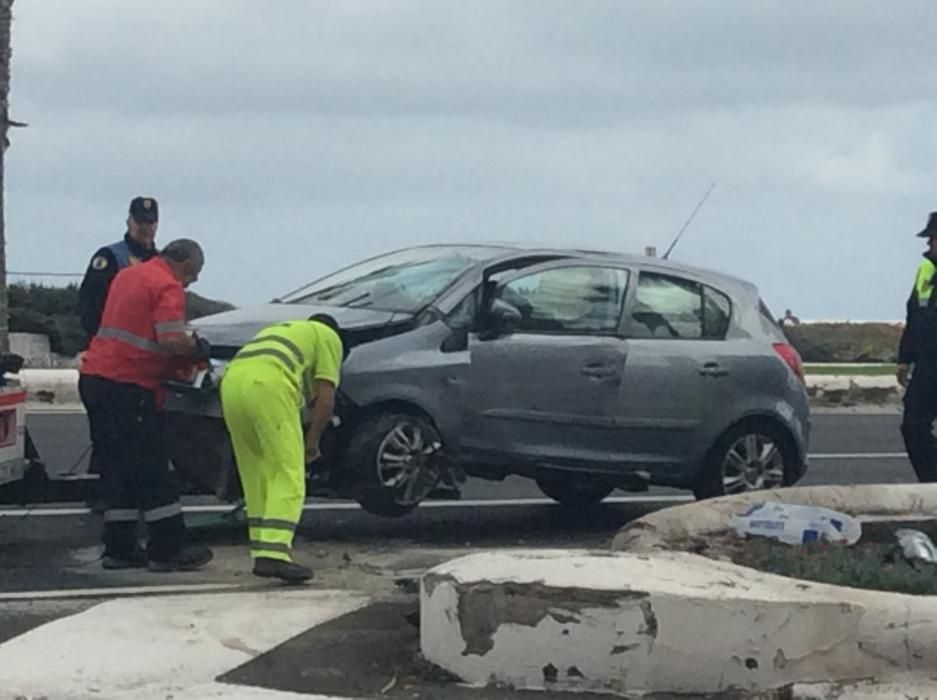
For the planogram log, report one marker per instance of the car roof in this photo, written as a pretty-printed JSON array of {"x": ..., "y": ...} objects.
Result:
[
  {"x": 631, "y": 259},
  {"x": 505, "y": 251}
]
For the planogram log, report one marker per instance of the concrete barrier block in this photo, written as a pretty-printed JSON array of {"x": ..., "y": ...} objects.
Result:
[
  {"x": 677, "y": 527},
  {"x": 51, "y": 387},
  {"x": 665, "y": 623}
]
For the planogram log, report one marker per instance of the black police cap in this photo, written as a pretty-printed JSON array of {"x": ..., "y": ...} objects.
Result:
[
  {"x": 930, "y": 231},
  {"x": 144, "y": 209}
]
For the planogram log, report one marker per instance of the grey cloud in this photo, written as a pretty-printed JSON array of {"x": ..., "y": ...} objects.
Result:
[
  {"x": 554, "y": 62},
  {"x": 297, "y": 136}
]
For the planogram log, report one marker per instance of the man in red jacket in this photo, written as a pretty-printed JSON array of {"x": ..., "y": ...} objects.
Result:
[{"x": 141, "y": 339}]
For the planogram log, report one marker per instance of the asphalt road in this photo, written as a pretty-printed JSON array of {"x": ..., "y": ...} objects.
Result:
[
  {"x": 47, "y": 549},
  {"x": 51, "y": 563},
  {"x": 846, "y": 448}
]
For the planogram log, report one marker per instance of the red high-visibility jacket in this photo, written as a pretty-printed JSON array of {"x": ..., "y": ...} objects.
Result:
[{"x": 145, "y": 301}]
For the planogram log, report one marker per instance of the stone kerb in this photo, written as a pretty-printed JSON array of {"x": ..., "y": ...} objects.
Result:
[
  {"x": 649, "y": 617},
  {"x": 675, "y": 528}
]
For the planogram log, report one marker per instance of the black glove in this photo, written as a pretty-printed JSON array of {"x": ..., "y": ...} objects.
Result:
[{"x": 202, "y": 348}]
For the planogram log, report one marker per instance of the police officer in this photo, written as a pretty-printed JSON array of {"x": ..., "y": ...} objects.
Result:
[
  {"x": 917, "y": 358},
  {"x": 141, "y": 340},
  {"x": 286, "y": 367},
  {"x": 137, "y": 245}
]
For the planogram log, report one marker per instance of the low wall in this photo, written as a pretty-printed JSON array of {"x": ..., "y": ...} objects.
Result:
[{"x": 33, "y": 348}]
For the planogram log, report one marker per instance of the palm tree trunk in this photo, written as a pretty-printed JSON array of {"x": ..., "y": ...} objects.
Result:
[{"x": 6, "y": 52}]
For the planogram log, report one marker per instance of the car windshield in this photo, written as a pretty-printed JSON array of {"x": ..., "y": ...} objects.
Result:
[{"x": 404, "y": 281}]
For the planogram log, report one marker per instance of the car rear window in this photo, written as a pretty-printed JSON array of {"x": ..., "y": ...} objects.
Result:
[
  {"x": 671, "y": 307},
  {"x": 768, "y": 322},
  {"x": 717, "y": 311}
]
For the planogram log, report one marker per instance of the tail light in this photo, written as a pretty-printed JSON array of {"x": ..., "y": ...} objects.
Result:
[{"x": 791, "y": 358}]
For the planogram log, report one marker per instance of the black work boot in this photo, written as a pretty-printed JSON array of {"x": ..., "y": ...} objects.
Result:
[
  {"x": 190, "y": 558},
  {"x": 285, "y": 570},
  {"x": 136, "y": 560}
]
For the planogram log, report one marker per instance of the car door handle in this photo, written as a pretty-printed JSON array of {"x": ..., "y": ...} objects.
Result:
[
  {"x": 599, "y": 371},
  {"x": 713, "y": 369}
]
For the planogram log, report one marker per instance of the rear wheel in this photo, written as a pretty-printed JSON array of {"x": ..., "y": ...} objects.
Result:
[
  {"x": 753, "y": 456},
  {"x": 573, "y": 489},
  {"x": 393, "y": 461}
]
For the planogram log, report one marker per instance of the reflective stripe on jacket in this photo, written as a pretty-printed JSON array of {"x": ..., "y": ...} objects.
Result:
[
  {"x": 300, "y": 351},
  {"x": 919, "y": 339},
  {"x": 144, "y": 301}
]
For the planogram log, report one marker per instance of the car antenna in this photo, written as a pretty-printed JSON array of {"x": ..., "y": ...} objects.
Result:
[{"x": 692, "y": 216}]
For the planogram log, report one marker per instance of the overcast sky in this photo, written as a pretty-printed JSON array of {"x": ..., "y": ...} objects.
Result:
[{"x": 292, "y": 137}]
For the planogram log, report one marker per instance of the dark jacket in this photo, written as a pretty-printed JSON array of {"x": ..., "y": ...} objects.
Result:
[
  {"x": 919, "y": 339},
  {"x": 104, "y": 266}
]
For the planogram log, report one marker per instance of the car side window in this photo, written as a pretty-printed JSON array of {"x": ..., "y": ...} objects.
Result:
[
  {"x": 672, "y": 307},
  {"x": 717, "y": 311},
  {"x": 576, "y": 300}
]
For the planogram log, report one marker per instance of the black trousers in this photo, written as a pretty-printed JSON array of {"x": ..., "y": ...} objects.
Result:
[
  {"x": 129, "y": 440},
  {"x": 920, "y": 412}
]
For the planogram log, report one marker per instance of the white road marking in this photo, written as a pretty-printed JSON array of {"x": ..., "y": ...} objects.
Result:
[
  {"x": 115, "y": 591},
  {"x": 52, "y": 410},
  {"x": 859, "y": 455},
  {"x": 224, "y": 690},
  {"x": 162, "y": 646},
  {"x": 465, "y": 503}
]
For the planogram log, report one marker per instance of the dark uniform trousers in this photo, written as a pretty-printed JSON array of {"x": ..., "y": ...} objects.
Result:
[
  {"x": 92, "y": 293},
  {"x": 128, "y": 433},
  {"x": 920, "y": 412}
]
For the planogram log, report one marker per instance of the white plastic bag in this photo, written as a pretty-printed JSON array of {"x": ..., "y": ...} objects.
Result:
[
  {"x": 794, "y": 524},
  {"x": 916, "y": 546}
]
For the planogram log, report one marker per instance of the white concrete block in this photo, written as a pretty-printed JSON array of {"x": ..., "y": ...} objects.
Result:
[
  {"x": 668, "y": 622},
  {"x": 55, "y": 387},
  {"x": 845, "y": 382}
]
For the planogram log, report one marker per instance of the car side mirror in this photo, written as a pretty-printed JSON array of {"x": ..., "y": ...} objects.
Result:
[
  {"x": 456, "y": 341},
  {"x": 501, "y": 319}
]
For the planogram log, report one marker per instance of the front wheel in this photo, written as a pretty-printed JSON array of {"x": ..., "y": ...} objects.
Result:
[
  {"x": 750, "y": 457},
  {"x": 573, "y": 489},
  {"x": 394, "y": 463}
]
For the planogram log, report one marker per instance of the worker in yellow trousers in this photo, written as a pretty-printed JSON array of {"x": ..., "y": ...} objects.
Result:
[{"x": 286, "y": 367}]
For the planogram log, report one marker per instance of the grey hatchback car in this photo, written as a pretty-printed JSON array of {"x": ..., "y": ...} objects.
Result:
[{"x": 585, "y": 371}]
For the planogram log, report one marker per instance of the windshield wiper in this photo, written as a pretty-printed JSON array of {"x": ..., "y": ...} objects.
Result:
[
  {"x": 353, "y": 303},
  {"x": 336, "y": 289}
]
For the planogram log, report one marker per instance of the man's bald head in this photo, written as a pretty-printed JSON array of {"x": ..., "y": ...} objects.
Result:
[{"x": 186, "y": 258}]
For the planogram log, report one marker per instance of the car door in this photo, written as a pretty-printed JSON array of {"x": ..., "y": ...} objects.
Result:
[
  {"x": 547, "y": 388},
  {"x": 675, "y": 373}
]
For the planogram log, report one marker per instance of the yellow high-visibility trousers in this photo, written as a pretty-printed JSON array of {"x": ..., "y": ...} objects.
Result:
[{"x": 267, "y": 436}]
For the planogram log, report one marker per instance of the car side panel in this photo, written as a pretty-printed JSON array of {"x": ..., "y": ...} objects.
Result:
[
  {"x": 413, "y": 368},
  {"x": 758, "y": 384}
]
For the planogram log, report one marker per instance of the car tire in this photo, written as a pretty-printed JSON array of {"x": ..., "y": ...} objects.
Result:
[
  {"x": 752, "y": 456},
  {"x": 573, "y": 489},
  {"x": 393, "y": 447}
]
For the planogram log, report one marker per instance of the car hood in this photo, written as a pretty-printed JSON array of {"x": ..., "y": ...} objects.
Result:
[{"x": 234, "y": 328}]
